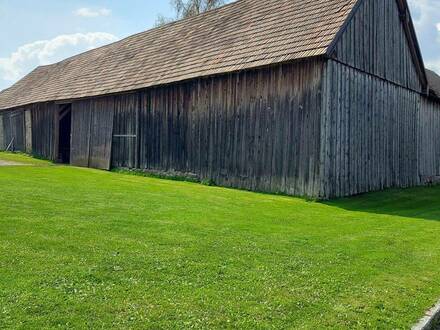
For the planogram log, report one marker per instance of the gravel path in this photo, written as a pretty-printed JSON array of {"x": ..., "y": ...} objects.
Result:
[{"x": 8, "y": 163}]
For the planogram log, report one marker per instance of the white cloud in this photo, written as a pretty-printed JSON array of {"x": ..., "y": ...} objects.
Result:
[
  {"x": 43, "y": 52},
  {"x": 433, "y": 65},
  {"x": 425, "y": 12},
  {"x": 434, "y": 62},
  {"x": 89, "y": 12},
  {"x": 426, "y": 15}
]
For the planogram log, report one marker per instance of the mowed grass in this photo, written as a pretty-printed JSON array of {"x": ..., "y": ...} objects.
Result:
[
  {"x": 81, "y": 248},
  {"x": 23, "y": 159}
]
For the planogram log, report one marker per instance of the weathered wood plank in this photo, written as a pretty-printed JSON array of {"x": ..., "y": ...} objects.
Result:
[
  {"x": 126, "y": 123},
  {"x": 2, "y": 134},
  {"x": 92, "y": 131},
  {"x": 383, "y": 128},
  {"x": 28, "y": 131},
  {"x": 81, "y": 129},
  {"x": 375, "y": 42},
  {"x": 253, "y": 130}
]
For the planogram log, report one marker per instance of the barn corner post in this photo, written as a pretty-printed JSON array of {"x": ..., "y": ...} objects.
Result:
[
  {"x": 56, "y": 133},
  {"x": 138, "y": 131},
  {"x": 324, "y": 181},
  {"x": 28, "y": 131}
]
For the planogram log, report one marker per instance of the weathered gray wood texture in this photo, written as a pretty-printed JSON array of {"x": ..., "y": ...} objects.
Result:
[
  {"x": 81, "y": 126},
  {"x": 429, "y": 138},
  {"x": 375, "y": 118},
  {"x": 125, "y": 131},
  {"x": 375, "y": 42},
  {"x": 257, "y": 130},
  {"x": 13, "y": 130},
  {"x": 92, "y": 128},
  {"x": 2, "y": 134},
  {"x": 44, "y": 134},
  {"x": 370, "y": 133},
  {"x": 28, "y": 130},
  {"x": 18, "y": 130}
]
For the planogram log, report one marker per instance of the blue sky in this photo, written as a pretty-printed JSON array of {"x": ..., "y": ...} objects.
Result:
[{"x": 36, "y": 32}]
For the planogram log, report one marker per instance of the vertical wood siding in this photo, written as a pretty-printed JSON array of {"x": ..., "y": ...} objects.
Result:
[
  {"x": 18, "y": 130},
  {"x": 28, "y": 130},
  {"x": 81, "y": 126},
  {"x": 125, "y": 127},
  {"x": 92, "y": 129},
  {"x": 429, "y": 139},
  {"x": 101, "y": 132},
  {"x": 13, "y": 130},
  {"x": 258, "y": 130},
  {"x": 371, "y": 133},
  {"x": 375, "y": 42},
  {"x": 43, "y": 116},
  {"x": 2, "y": 134}
]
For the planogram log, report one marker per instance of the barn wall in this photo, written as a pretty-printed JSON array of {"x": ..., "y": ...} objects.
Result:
[
  {"x": 375, "y": 42},
  {"x": 125, "y": 131},
  {"x": 257, "y": 130},
  {"x": 44, "y": 130},
  {"x": 4, "y": 123},
  {"x": 81, "y": 126},
  {"x": 370, "y": 133},
  {"x": 13, "y": 130},
  {"x": 2, "y": 134},
  {"x": 429, "y": 139},
  {"x": 92, "y": 129},
  {"x": 28, "y": 130},
  {"x": 18, "y": 130}
]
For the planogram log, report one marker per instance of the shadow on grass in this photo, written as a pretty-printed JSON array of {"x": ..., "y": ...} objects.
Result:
[{"x": 419, "y": 202}]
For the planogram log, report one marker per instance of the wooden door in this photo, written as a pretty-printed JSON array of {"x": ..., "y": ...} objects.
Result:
[{"x": 92, "y": 129}]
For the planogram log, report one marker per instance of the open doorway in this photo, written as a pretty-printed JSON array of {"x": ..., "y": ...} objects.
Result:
[{"x": 65, "y": 126}]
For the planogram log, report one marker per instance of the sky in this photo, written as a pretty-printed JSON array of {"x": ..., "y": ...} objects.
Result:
[{"x": 40, "y": 32}]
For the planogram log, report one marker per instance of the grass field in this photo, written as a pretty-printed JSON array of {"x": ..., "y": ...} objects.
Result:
[{"x": 81, "y": 248}]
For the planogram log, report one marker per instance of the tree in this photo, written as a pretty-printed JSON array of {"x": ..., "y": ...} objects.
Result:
[{"x": 188, "y": 8}]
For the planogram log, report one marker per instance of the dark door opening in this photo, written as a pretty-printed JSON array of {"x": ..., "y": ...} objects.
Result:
[{"x": 65, "y": 125}]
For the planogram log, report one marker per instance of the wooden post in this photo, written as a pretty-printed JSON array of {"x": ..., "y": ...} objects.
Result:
[
  {"x": 28, "y": 131},
  {"x": 137, "y": 148}
]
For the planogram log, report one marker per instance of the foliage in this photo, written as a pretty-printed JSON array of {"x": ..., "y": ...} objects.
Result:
[
  {"x": 82, "y": 248},
  {"x": 157, "y": 175}
]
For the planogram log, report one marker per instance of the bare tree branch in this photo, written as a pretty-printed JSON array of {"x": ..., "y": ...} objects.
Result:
[{"x": 188, "y": 8}]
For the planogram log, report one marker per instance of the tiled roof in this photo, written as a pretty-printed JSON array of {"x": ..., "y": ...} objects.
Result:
[{"x": 242, "y": 35}]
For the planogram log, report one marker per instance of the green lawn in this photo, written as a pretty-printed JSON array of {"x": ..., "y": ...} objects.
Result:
[{"x": 81, "y": 248}]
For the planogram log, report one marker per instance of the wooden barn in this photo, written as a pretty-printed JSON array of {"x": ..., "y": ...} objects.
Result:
[{"x": 319, "y": 98}]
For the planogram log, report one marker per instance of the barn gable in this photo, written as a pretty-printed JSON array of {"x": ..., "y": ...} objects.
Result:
[{"x": 379, "y": 39}]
